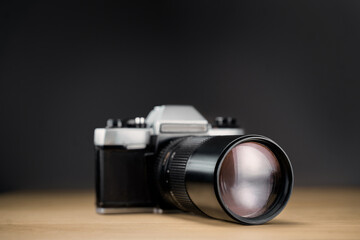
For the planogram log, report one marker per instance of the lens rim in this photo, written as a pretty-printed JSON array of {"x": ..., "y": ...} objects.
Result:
[{"x": 285, "y": 187}]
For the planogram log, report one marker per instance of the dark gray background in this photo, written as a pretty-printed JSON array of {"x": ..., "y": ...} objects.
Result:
[{"x": 288, "y": 70}]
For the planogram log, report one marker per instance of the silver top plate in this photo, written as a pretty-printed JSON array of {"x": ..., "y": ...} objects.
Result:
[{"x": 165, "y": 122}]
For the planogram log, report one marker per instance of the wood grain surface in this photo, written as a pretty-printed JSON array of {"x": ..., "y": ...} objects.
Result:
[{"x": 312, "y": 213}]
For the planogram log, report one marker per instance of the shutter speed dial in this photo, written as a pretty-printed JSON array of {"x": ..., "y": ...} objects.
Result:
[{"x": 226, "y": 122}]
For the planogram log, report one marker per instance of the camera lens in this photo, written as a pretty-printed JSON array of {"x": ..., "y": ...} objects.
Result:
[{"x": 245, "y": 179}]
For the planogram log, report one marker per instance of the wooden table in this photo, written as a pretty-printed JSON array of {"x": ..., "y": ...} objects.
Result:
[{"x": 311, "y": 214}]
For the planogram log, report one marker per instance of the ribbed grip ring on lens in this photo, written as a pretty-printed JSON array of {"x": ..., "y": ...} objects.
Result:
[{"x": 176, "y": 172}]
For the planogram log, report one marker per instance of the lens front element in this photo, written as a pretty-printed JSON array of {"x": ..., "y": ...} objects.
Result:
[{"x": 248, "y": 179}]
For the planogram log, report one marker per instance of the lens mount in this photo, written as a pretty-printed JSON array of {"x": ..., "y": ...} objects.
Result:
[{"x": 226, "y": 176}]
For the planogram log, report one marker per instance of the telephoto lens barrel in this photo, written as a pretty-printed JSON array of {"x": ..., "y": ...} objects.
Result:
[{"x": 244, "y": 179}]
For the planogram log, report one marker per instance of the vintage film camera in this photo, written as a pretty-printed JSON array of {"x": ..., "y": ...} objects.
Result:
[{"x": 175, "y": 159}]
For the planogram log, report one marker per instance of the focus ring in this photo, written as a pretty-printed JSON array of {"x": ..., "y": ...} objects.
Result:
[{"x": 176, "y": 170}]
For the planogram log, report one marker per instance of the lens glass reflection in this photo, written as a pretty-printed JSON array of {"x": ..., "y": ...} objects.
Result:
[{"x": 248, "y": 179}]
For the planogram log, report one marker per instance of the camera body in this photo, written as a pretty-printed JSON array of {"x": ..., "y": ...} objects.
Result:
[{"x": 127, "y": 150}]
